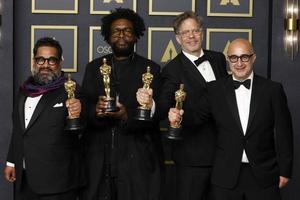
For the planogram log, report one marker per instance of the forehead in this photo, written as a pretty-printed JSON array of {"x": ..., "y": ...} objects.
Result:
[
  {"x": 45, "y": 50},
  {"x": 188, "y": 24},
  {"x": 239, "y": 49},
  {"x": 121, "y": 23}
]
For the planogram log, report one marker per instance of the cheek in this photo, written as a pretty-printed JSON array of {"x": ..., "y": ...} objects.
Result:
[
  {"x": 55, "y": 68},
  {"x": 34, "y": 68}
]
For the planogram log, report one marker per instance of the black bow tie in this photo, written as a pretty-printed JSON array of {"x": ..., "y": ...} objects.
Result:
[
  {"x": 246, "y": 83},
  {"x": 200, "y": 60}
]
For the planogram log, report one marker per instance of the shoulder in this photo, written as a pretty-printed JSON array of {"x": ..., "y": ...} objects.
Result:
[
  {"x": 174, "y": 63},
  {"x": 219, "y": 83},
  {"x": 213, "y": 53},
  {"x": 146, "y": 61},
  {"x": 267, "y": 82},
  {"x": 97, "y": 62}
]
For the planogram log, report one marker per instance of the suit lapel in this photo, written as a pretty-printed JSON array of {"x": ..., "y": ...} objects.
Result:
[
  {"x": 213, "y": 64},
  {"x": 231, "y": 99},
  {"x": 256, "y": 89},
  {"x": 44, "y": 102},
  {"x": 191, "y": 71},
  {"x": 21, "y": 103}
]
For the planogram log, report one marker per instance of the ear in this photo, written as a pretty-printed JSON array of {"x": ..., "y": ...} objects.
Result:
[
  {"x": 178, "y": 39},
  {"x": 202, "y": 34},
  {"x": 253, "y": 57}
]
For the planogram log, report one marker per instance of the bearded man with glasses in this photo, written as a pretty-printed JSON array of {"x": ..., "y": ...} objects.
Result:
[
  {"x": 194, "y": 67},
  {"x": 43, "y": 159},
  {"x": 254, "y": 150},
  {"x": 123, "y": 155}
]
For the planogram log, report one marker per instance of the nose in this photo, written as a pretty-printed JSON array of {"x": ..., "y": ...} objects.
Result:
[
  {"x": 190, "y": 34},
  {"x": 239, "y": 62},
  {"x": 45, "y": 65},
  {"x": 121, "y": 34}
]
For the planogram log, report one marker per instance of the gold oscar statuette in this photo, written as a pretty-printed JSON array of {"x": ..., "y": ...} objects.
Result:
[
  {"x": 144, "y": 110},
  {"x": 175, "y": 129},
  {"x": 72, "y": 121},
  {"x": 105, "y": 71}
]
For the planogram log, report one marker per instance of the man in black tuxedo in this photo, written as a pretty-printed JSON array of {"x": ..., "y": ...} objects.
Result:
[
  {"x": 43, "y": 159},
  {"x": 193, "y": 67},
  {"x": 254, "y": 150},
  {"x": 123, "y": 155}
]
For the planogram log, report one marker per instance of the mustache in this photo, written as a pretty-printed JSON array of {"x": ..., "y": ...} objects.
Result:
[{"x": 43, "y": 79}]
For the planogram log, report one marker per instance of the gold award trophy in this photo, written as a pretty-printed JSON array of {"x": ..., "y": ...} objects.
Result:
[
  {"x": 105, "y": 70},
  {"x": 144, "y": 110},
  {"x": 72, "y": 122},
  {"x": 175, "y": 129}
]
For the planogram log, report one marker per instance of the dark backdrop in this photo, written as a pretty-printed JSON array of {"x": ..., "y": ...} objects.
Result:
[{"x": 15, "y": 53}]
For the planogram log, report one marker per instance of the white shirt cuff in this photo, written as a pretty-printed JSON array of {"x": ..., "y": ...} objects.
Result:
[
  {"x": 152, "y": 109},
  {"x": 9, "y": 164}
]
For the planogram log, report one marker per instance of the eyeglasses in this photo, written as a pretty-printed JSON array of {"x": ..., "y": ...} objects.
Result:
[
  {"x": 126, "y": 31},
  {"x": 243, "y": 57},
  {"x": 41, "y": 60},
  {"x": 186, "y": 33}
]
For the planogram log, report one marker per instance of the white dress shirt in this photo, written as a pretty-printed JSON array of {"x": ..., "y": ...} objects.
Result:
[
  {"x": 29, "y": 107},
  {"x": 204, "y": 68},
  {"x": 243, "y": 99}
]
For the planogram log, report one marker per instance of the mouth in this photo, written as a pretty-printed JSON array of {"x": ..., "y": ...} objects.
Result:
[
  {"x": 45, "y": 71},
  {"x": 193, "y": 43},
  {"x": 240, "y": 69}
]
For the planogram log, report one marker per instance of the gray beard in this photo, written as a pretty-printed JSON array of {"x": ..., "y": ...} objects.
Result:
[{"x": 44, "y": 80}]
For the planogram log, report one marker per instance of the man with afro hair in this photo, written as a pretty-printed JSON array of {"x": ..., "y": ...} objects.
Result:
[{"x": 123, "y": 155}]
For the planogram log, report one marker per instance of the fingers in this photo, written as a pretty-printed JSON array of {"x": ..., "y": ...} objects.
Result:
[
  {"x": 74, "y": 107},
  {"x": 283, "y": 181},
  {"x": 144, "y": 96},
  {"x": 10, "y": 174},
  {"x": 101, "y": 105},
  {"x": 175, "y": 115}
]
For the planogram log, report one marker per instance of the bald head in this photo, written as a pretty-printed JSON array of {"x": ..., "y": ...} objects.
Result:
[
  {"x": 240, "y": 43},
  {"x": 241, "y": 57}
]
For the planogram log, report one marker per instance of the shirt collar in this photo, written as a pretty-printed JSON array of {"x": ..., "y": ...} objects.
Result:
[
  {"x": 249, "y": 77},
  {"x": 191, "y": 57}
]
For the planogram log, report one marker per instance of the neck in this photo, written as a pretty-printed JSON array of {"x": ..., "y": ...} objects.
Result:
[
  {"x": 195, "y": 53},
  {"x": 121, "y": 57}
]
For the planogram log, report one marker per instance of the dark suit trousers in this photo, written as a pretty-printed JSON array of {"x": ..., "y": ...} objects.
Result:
[
  {"x": 26, "y": 193},
  {"x": 192, "y": 182},
  {"x": 247, "y": 188}
]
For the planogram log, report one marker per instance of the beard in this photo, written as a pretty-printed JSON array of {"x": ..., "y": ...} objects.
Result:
[
  {"x": 123, "y": 52},
  {"x": 44, "y": 79}
]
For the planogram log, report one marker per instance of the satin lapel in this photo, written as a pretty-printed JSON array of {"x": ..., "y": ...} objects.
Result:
[
  {"x": 191, "y": 71},
  {"x": 43, "y": 103},
  {"x": 21, "y": 103},
  {"x": 213, "y": 64},
  {"x": 231, "y": 100},
  {"x": 257, "y": 86}
]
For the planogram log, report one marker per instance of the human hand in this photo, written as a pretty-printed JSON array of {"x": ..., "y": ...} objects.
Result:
[
  {"x": 74, "y": 107},
  {"x": 283, "y": 181},
  {"x": 175, "y": 116},
  {"x": 144, "y": 97},
  {"x": 10, "y": 174}
]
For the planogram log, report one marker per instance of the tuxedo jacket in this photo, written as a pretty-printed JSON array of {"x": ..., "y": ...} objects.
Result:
[
  {"x": 268, "y": 141},
  {"x": 197, "y": 146},
  {"x": 51, "y": 155}
]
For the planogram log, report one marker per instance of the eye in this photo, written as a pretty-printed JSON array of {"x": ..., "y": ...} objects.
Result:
[
  {"x": 39, "y": 60},
  {"x": 53, "y": 60}
]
